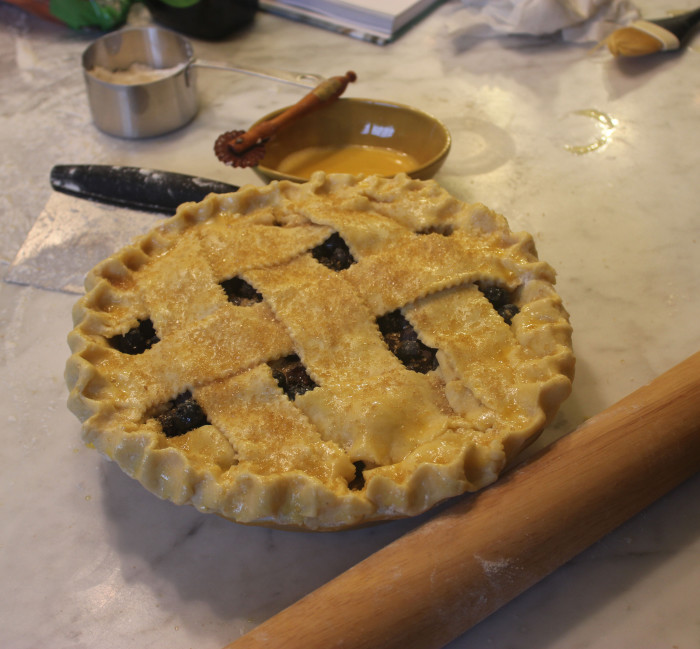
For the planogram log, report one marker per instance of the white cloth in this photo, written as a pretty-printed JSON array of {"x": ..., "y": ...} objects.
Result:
[{"x": 579, "y": 21}]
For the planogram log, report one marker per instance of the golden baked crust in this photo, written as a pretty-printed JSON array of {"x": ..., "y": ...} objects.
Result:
[{"x": 371, "y": 440}]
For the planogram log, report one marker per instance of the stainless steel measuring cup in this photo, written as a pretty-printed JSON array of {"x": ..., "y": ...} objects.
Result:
[{"x": 141, "y": 81}]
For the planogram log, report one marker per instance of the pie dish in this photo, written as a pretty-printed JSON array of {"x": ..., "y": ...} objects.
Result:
[{"x": 319, "y": 356}]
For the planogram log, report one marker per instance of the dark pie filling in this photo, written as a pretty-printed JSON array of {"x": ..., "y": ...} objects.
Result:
[
  {"x": 501, "y": 300},
  {"x": 403, "y": 342},
  {"x": 137, "y": 340},
  {"x": 358, "y": 482},
  {"x": 445, "y": 230},
  {"x": 291, "y": 376},
  {"x": 333, "y": 253},
  {"x": 239, "y": 292},
  {"x": 182, "y": 415}
]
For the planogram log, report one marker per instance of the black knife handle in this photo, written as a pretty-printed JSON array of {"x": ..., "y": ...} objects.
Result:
[{"x": 142, "y": 189}]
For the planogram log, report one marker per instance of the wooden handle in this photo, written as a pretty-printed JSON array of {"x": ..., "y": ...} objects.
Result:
[
  {"x": 430, "y": 586},
  {"x": 325, "y": 92}
]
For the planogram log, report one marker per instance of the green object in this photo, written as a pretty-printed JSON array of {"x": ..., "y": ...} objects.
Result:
[
  {"x": 103, "y": 14},
  {"x": 180, "y": 4}
]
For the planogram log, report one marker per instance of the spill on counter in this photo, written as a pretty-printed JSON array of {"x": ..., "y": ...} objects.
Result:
[{"x": 606, "y": 125}]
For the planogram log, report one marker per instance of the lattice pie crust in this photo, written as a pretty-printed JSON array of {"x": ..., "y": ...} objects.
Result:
[{"x": 366, "y": 438}]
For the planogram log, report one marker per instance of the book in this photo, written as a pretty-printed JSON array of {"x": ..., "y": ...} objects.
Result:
[{"x": 368, "y": 20}]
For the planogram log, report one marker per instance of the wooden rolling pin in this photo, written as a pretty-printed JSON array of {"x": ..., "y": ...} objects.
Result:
[{"x": 430, "y": 586}]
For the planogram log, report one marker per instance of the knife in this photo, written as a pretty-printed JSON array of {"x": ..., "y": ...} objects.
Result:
[
  {"x": 71, "y": 235},
  {"x": 148, "y": 190}
]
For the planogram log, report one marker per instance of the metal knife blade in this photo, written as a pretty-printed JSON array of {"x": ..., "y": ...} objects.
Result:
[{"x": 141, "y": 189}]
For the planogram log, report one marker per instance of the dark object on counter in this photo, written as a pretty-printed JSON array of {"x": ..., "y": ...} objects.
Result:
[
  {"x": 133, "y": 187},
  {"x": 247, "y": 148},
  {"x": 206, "y": 19},
  {"x": 644, "y": 37}
]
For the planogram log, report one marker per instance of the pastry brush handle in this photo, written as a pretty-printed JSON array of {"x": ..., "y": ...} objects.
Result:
[
  {"x": 324, "y": 93},
  {"x": 681, "y": 25},
  {"x": 428, "y": 587}
]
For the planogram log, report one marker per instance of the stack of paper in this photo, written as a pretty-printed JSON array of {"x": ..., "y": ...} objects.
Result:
[{"x": 370, "y": 20}]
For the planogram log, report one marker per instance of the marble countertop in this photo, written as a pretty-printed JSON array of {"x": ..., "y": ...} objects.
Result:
[{"x": 90, "y": 559}]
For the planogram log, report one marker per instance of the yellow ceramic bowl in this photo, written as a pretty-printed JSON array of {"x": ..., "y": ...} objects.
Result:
[{"x": 364, "y": 123}]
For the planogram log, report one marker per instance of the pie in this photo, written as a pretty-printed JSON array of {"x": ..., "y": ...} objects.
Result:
[{"x": 319, "y": 356}]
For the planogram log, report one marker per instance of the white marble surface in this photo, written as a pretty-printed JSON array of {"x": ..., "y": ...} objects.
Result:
[{"x": 90, "y": 559}]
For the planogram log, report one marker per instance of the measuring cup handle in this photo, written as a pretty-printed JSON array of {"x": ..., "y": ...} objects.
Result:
[{"x": 305, "y": 79}]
